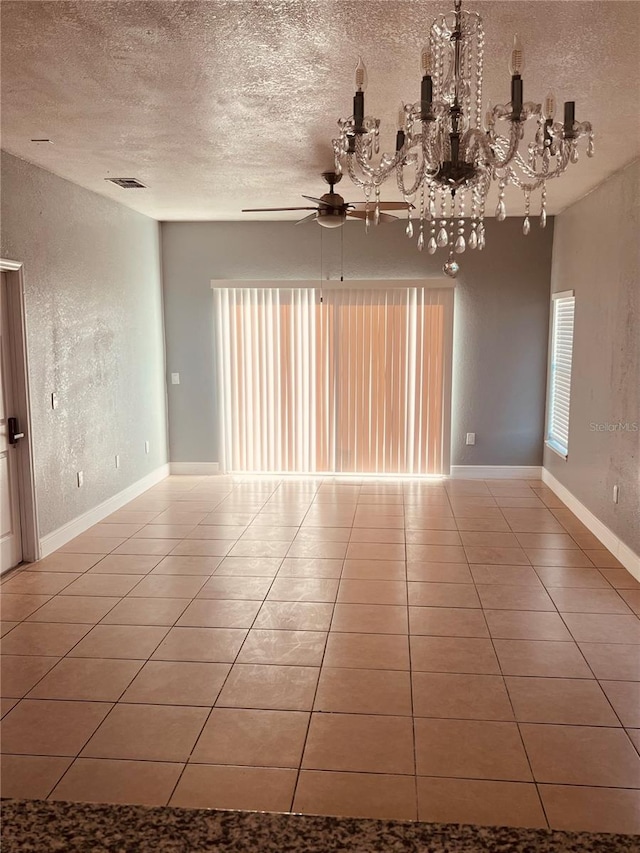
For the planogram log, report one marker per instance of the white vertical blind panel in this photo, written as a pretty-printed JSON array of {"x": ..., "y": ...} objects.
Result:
[
  {"x": 560, "y": 373},
  {"x": 345, "y": 381}
]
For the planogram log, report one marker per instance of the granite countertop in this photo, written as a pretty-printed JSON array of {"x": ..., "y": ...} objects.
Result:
[{"x": 39, "y": 826}]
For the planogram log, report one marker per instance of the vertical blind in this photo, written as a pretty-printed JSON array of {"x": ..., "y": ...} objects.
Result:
[
  {"x": 339, "y": 380},
  {"x": 563, "y": 311}
]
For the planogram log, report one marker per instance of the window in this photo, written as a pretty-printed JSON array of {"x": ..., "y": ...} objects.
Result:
[
  {"x": 559, "y": 390},
  {"x": 347, "y": 380}
]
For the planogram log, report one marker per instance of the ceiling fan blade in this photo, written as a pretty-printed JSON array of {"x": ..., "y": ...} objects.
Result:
[
  {"x": 307, "y": 218},
  {"x": 360, "y": 214},
  {"x": 384, "y": 205},
  {"x": 264, "y": 209},
  {"x": 320, "y": 201}
]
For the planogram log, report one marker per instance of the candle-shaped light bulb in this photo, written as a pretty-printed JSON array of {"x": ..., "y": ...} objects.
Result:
[
  {"x": 361, "y": 76},
  {"x": 426, "y": 61},
  {"x": 488, "y": 117},
  {"x": 516, "y": 60},
  {"x": 549, "y": 107}
]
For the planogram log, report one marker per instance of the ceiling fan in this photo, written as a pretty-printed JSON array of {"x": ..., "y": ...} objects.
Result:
[{"x": 332, "y": 210}]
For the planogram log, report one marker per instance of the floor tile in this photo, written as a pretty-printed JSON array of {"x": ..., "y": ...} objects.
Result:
[
  {"x": 249, "y": 567},
  {"x": 43, "y": 638},
  {"x": 38, "y": 583},
  {"x": 603, "y": 628},
  {"x": 17, "y": 606},
  {"x": 124, "y": 529},
  {"x": 464, "y": 697},
  {"x": 373, "y": 795},
  {"x": 74, "y": 608},
  {"x": 146, "y": 611},
  {"x": 479, "y": 802},
  {"x": 434, "y": 537},
  {"x": 439, "y": 573},
  {"x": 215, "y": 645},
  {"x": 42, "y": 727},
  {"x": 495, "y": 523},
  {"x": 620, "y": 578},
  {"x": 286, "y": 688},
  {"x": 148, "y": 547},
  {"x": 228, "y": 588},
  {"x": 557, "y": 557},
  {"x": 163, "y": 531},
  {"x": 367, "y": 651},
  {"x": 186, "y": 565},
  {"x": 615, "y": 661},
  {"x": 326, "y": 550},
  {"x": 506, "y": 597},
  {"x": 386, "y": 535},
  {"x": 453, "y": 654},
  {"x": 92, "y": 780},
  {"x": 581, "y": 755},
  {"x": 60, "y": 562},
  {"x": 632, "y": 598},
  {"x": 207, "y": 786},
  {"x": 363, "y": 691},
  {"x": 294, "y": 615},
  {"x": 602, "y": 558},
  {"x": 447, "y": 622},
  {"x": 625, "y": 698},
  {"x": 147, "y": 733},
  {"x": 136, "y": 642},
  {"x": 125, "y": 564},
  {"x": 262, "y": 533},
  {"x": 103, "y": 584},
  {"x": 299, "y": 648},
  {"x": 374, "y": 570},
  {"x": 92, "y": 544},
  {"x": 210, "y": 551},
  {"x": 370, "y": 618},
  {"x": 19, "y": 673},
  {"x": 567, "y": 577},
  {"x": 490, "y": 555},
  {"x": 303, "y": 589},
  {"x": 491, "y": 539},
  {"x": 177, "y": 683},
  {"x": 570, "y": 701},
  {"x": 546, "y": 540},
  {"x": 526, "y": 625},
  {"x": 213, "y": 613},
  {"x": 545, "y": 658},
  {"x": 92, "y": 680},
  {"x": 360, "y": 743},
  {"x": 443, "y": 595},
  {"x": 168, "y": 586},
  {"x": 375, "y": 551},
  {"x": 252, "y": 737},
  {"x": 506, "y": 575},
  {"x": 353, "y": 591},
  {"x": 588, "y": 601},
  {"x": 30, "y": 777},
  {"x": 436, "y": 553},
  {"x": 431, "y": 519},
  {"x": 471, "y": 750},
  {"x": 585, "y": 809}
]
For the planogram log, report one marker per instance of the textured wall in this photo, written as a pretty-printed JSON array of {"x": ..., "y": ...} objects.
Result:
[
  {"x": 501, "y": 321},
  {"x": 94, "y": 315},
  {"x": 596, "y": 254}
]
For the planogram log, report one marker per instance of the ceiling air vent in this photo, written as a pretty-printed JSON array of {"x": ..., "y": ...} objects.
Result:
[{"x": 127, "y": 183}]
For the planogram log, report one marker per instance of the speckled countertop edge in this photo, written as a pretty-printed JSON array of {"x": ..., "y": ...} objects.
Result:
[{"x": 39, "y": 826}]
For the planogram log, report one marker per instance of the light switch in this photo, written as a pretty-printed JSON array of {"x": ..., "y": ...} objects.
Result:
[
  {"x": 146, "y": 447},
  {"x": 471, "y": 438},
  {"x": 175, "y": 378},
  {"x": 54, "y": 400}
]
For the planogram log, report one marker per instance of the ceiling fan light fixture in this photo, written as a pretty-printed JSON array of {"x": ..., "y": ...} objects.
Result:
[{"x": 450, "y": 152}]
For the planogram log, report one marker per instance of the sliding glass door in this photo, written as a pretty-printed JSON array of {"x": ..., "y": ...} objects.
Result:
[{"x": 338, "y": 380}]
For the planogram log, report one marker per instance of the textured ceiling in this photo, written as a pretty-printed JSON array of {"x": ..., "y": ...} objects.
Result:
[{"x": 221, "y": 105}]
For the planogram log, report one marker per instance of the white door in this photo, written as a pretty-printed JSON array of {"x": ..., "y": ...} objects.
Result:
[{"x": 10, "y": 534}]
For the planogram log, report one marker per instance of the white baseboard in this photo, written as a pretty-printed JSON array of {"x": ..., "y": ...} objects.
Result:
[
  {"x": 197, "y": 468},
  {"x": 52, "y": 541},
  {"x": 629, "y": 559},
  {"x": 493, "y": 472}
]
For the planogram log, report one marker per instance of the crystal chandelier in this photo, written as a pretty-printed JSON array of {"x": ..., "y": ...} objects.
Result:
[{"x": 448, "y": 153}]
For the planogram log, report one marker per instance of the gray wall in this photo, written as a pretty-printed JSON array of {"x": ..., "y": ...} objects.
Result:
[
  {"x": 95, "y": 337},
  {"x": 596, "y": 253},
  {"x": 501, "y": 321}
]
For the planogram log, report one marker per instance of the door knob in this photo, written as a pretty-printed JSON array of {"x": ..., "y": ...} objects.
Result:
[{"x": 14, "y": 435}]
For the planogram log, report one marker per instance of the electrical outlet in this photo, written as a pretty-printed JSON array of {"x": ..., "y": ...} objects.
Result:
[
  {"x": 80, "y": 479},
  {"x": 146, "y": 447},
  {"x": 616, "y": 493},
  {"x": 54, "y": 400},
  {"x": 117, "y": 460},
  {"x": 471, "y": 438},
  {"x": 175, "y": 378}
]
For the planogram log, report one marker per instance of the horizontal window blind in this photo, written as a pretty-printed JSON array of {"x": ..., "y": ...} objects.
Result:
[
  {"x": 560, "y": 373},
  {"x": 334, "y": 381}
]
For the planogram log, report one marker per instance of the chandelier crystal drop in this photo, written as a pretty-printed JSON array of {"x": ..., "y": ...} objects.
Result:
[{"x": 449, "y": 152}]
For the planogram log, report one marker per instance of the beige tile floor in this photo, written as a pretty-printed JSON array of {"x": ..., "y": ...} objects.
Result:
[{"x": 434, "y": 650}]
